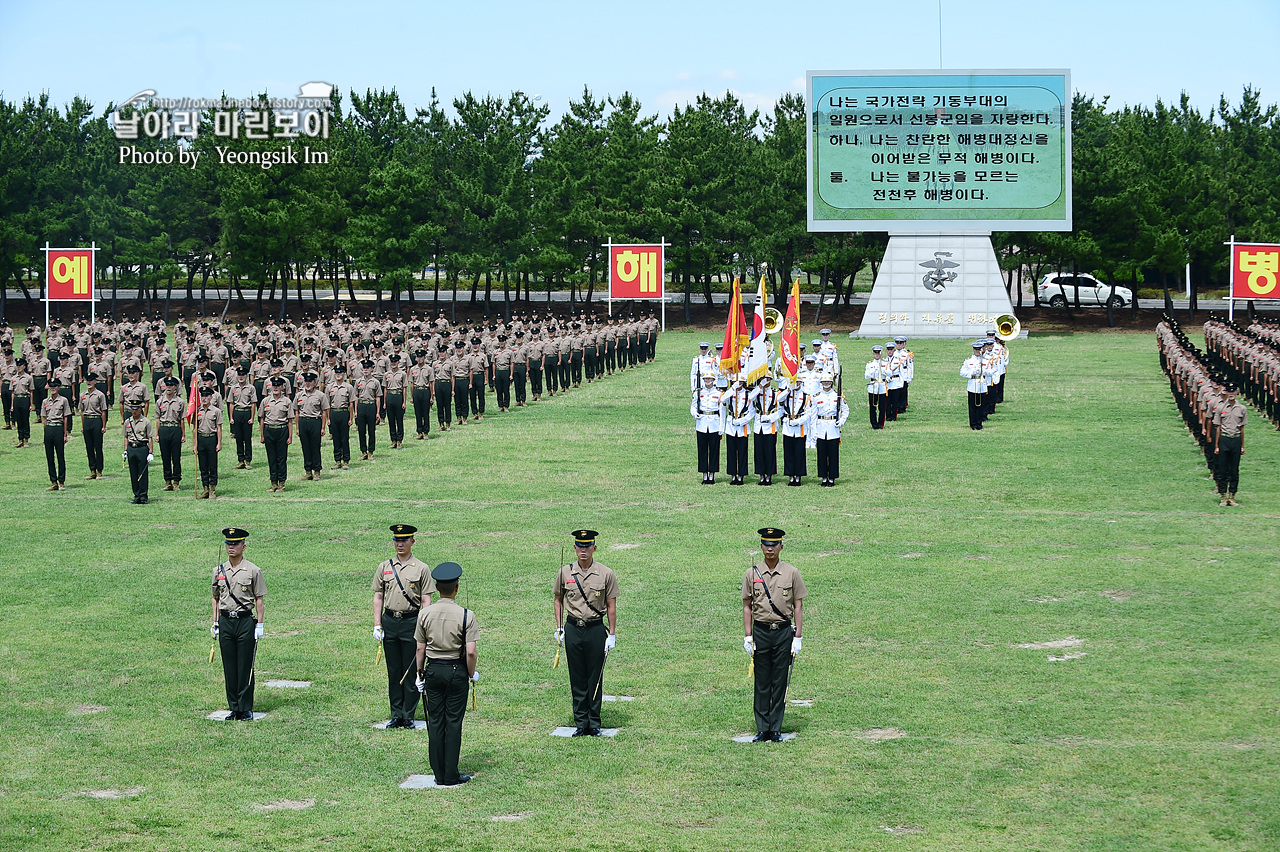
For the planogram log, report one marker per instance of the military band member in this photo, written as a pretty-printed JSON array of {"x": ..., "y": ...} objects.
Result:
[
  {"x": 368, "y": 409},
  {"x": 23, "y": 389},
  {"x": 708, "y": 424},
  {"x": 93, "y": 425},
  {"x": 446, "y": 637},
  {"x": 1000, "y": 353},
  {"x": 830, "y": 411},
  {"x": 827, "y": 353},
  {"x": 171, "y": 432},
  {"x": 275, "y": 421},
  {"x": 312, "y": 419},
  {"x": 877, "y": 376},
  {"x": 401, "y": 585},
  {"x": 56, "y": 414},
  {"x": 421, "y": 377},
  {"x": 242, "y": 401},
  {"x": 585, "y": 595},
  {"x": 767, "y": 410},
  {"x": 977, "y": 372},
  {"x": 772, "y": 599},
  {"x": 797, "y": 406},
  {"x": 139, "y": 449},
  {"x": 238, "y": 593},
  {"x": 991, "y": 362},
  {"x": 342, "y": 407},
  {"x": 908, "y": 359},
  {"x": 737, "y": 416},
  {"x": 895, "y": 385},
  {"x": 208, "y": 442}
]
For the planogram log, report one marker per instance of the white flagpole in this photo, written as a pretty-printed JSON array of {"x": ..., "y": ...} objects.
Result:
[{"x": 1231, "y": 298}]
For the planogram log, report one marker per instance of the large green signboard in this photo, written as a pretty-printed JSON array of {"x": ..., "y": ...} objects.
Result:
[{"x": 927, "y": 151}]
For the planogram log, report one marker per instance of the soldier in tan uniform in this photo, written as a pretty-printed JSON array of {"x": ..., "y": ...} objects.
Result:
[
  {"x": 446, "y": 637},
  {"x": 502, "y": 359},
  {"x": 242, "y": 400},
  {"x": 171, "y": 432},
  {"x": 342, "y": 407},
  {"x": 400, "y": 586},
  {"x": 1229, "y": 420},
  {"x": 22, "y": 388},
  {"x": 394, "y": 385},
  {"x": 368, "y": 408},
  {"x": 56, "y": 413},
  {"x": 208, "y": 443},
  {"x": 772, "y": 597},
  {"x": 238, "y": 592},
  {"x": 139, "y": 449},
  {"x": 421, "y": 378},
  {"x": 585, "y": 594},
  {"x": 93, "y": 424},
  {"x": 313, "y": 417},
  {"x": 275, "y": 417}
]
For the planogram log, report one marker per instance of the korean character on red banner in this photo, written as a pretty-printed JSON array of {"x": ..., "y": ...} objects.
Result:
[
  {"x": 70, "y": 274},
  {"x": 1256, "y": 272}
]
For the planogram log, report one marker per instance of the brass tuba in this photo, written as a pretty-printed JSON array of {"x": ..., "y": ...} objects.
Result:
[
  {"x": 1007, "y": 327},
  {"x": 773, "y": 320}
]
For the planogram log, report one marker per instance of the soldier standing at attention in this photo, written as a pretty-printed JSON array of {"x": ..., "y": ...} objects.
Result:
[
  {"x": 461, "y": 374},
  {"x": 275, "y": 419},
  {"x": 766, "y": 413},
  {"x": 421, "y": 377},
  {"x": 342, "y": 404},
  {"x": 502, "y": 359},
  {"x": 208, "y": 443},
  {"x": 444, "y": 386},
  {"x": 242, "y": 399},
  {"x": 313, "y": 417},
  {"x": 772, "y": 597},
  {"x": 56, "y": 413},
  {"x": 830, "y": 411},
  {"x": 479, "y": 366},
  {"x": 171, "y": 432},
  {"x": 976, "y": 371},
  {"x": 1229, "y": 420},
  {"x": 400, "y": 585},
  {"x": 135, "y": 391},
  {"x": 238, "y": 591},
  {"x": 93, "y": 424},
  {"x": 796, "y": 408},
  {"x": 520, "y": 368},
  {"x": 394, "y": 384},
  {"x": 708, "y": 425},
  {"x": 737, "y": 414},
  {"x": 877, "y": 376},
  {"x": 446, "y": 637},
  {"x": 22, "y": 388},
  {"x": 139, "y": 450},
  {"x": 585, "y": 593},
  {"x": 368, "y": 409}
]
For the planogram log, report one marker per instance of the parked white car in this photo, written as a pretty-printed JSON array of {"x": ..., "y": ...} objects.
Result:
[{"x": 1058, "y": 289}]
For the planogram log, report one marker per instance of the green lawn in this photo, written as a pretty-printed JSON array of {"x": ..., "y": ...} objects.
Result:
[{"x": 1083, "y": 511}]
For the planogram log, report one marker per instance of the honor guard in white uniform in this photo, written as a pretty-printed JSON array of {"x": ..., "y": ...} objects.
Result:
[
  {"x": 991, "y": 362},
  {"x": 896, "y": 383},
  {"x": 830, "y": 411},
  {"x": 1001, "y": 354},
  {"x": 809, "y": 377},
  {"x": 722, "y": 375},
  {"x": 767, "y": 409},
  {"x": 703, "y": 364},
  {"x": 708, "y": 422},
  {"x": 827, "y": 353},
  {"x": 797, "y": 406},
  {"x": 736, "y": 412},
  {"x": 877, "y": 376},
  {"x": 908, "y": 369},
  {"x": 976, "y": 372}
]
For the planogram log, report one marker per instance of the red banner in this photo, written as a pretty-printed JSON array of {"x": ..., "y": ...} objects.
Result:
[
  {"x": 1255, "y": 271},
  {"x": 69, "y": 274},
  {"x": 635, "y": 272},
  {"x": 790, "y": 341}
]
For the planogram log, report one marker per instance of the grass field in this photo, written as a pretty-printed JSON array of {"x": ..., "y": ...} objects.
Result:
[{"x": 1082, "y": 512}]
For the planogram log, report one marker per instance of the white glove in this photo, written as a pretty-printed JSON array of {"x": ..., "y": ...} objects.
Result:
[
  {"x": 420, "y": 683},
  {"x": 378, "y": 633},
  {"x": 609, "y": 642},
  {"x": 213, "y": 631},
  {"x": 125, "y": 454},
  {"x": 795, "y": 646},
  {"x": 475, "y": 677},
  {"x": 749, "y": 644},
  {"x": 150, "y": 458},
  {"x": 560, "y": 635},
  {"x": 257, "y": 631}
]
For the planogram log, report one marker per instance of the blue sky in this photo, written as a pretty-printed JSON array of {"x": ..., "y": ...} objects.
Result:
[{"x": 665, "y": 53}]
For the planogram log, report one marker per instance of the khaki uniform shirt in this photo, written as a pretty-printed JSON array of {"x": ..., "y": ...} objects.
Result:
[
  {"x": 22, "y": 384},
  {"x": 93, "y": 403},
  {"x": 423, "y": 376},
  {"x": 276, "y": 412},
  {"x": 135, "y": 392},
  {"x": 208, "y": 419},
  {"x": 368, "y": 390},
  {"x": 396, "y": 381},
  {"x": 341, "y": 395},
  {"x": 440, "y": 627},
  {"x": 502, "y": 359},
  {"x": 244, "y": 396},
  {"x": 596, "y": 584},
  {"x": 313, "y": 404},
  {"x": 170, "y": 412},
  {"x": 1231, "y": 420},
  {"x": 243, "y": 581},
  {"x": 138, "y": 431},
  {"x": 785, "y": 587},
  {"x": 461, "y": 367},
  {"x": 55, "y": 409},
  {"x": 415, "y": 576}
]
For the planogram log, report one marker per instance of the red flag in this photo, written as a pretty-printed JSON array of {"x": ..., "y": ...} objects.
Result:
[
  {"x": 193, "y": 399},
  {"x": 790, "y": 349},
  {"x": 735, "y": 332}
]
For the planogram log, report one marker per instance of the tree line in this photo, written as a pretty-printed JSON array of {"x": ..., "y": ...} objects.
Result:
[{"x": 492, "y": 204}]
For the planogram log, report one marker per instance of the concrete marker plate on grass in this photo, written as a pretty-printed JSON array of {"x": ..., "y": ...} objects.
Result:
[
  {"x": 221, "y": 716},
  {"x": 616, "y": 698},
  {"x": 568, "y": 732},
  {"x": 288, "y": 684},
  {"x": 746, "y": 738},
  {"x": 425, "y": 782},
  {"x": 417, "y": 726}
]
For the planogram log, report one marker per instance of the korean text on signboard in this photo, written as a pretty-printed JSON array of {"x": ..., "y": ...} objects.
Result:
[
  {"x": 69, "y": 274},
  {"x": 635, "y": 272},
  {"x": 914, "y": 151},
  {"x": 1255, "y": 271}
]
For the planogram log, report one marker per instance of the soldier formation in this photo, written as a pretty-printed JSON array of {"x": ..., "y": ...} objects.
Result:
[
  {"x": 984, "y": 371},
  {"x": 296, "y": 382}
]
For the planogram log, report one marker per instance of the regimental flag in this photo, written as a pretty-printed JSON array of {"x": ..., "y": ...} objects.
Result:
[
  {"x": 1255, "y": 271},
  {"x": 756, "y": 362},
  {"x": 735, "y": 332},
  {"x": 790, "y": 342},
  {"x": 193, "y": 399}
]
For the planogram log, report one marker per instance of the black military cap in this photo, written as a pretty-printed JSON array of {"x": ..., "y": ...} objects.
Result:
[
  {"x": 54, "y": 382},
  {"x": 366, "y": 363},
  {"x": 402, "y": 531},
  {"x": 63, "y": 355},
  {"x": 92, "y": 377},
  {"x": 206, "y": 391},
  {"x": 421, "y": 353},
  {"x": 134, "y": 368},
  {"x": 519, "y": 334},
  {"x": 446, "y": 572},
  {"x": 475, "y": 341},
  {"x": 459, "y": 345},
  {"x": 276, "y": 362},
  {"x": 171, "y": 381},
  {"x": 501, "y": 337},
  {"x": 340, "y": 368},
  {"x": 242, "y": 370},
  {"x": 771, "y": 535},
  {"x": 277, "y": 381},
  {"x": 309, "y": 377},
  {"x": 234, "y": 535},
  {"x": 203, "y": 359},
  {"x": 395, "y": 356},
  {"x": 262, "y": 348},
  {"x": 166, "y": 363},
  {"x": 1230, "y": 389},
  {"x": 584, "y": 538}
]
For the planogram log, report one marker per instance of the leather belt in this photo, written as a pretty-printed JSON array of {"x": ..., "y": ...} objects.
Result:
[
  {"x": 586, "y": 622},
  {"x": 828, "y": 417},
  {"x": 408, "y": 613},
  {"x": 771, "y": 625},
  {"x": 134, "y": 446},
  {"x": 309, "y": 417},
  {"x": 450, "y": 661},
  {"x": 244, "y": 613}
]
